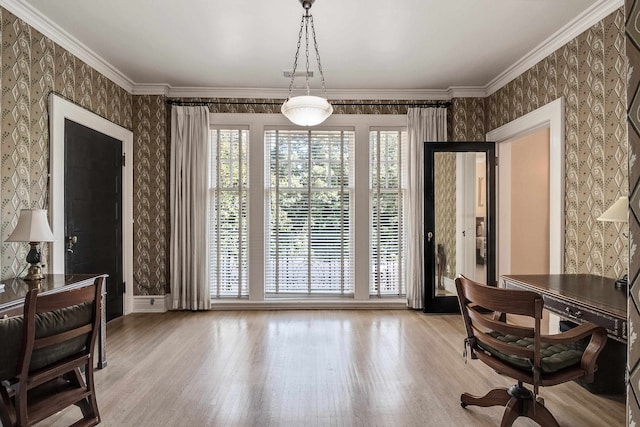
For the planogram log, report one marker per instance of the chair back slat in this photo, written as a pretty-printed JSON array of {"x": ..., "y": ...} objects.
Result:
[
  {"x": 503, "y": 346},
  {"x": 501, "y": 300},
  {"x": 61, "y": 300},
  {"x": 503, "y": 327},
  {"x": 61, "y": 337}
]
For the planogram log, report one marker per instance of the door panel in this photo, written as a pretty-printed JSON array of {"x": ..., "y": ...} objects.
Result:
[
  {"x": 93, "y": 205},
  {"x": 459, "y": 219}
]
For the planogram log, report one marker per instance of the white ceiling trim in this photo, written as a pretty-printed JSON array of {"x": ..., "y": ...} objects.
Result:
[
  {"x": 578, "y": 25},
  {"x": 564, "y": 35},
  {"x": 43, "y": 24}
]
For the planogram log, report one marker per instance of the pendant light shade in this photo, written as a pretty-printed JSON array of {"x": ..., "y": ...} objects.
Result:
[{"x": 307, "y": 110}]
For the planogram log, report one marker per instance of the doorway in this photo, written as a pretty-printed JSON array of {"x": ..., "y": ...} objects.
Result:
[
  {"x": 550, "y": 116},
  {"x": 526, "y": 232},
  {"x": 61, "y": 110}
]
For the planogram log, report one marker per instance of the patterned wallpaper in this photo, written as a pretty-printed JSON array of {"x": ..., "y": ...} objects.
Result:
[
  {"x": 32, "y": 67},
  {"x": 151, "y": 208},
  {"x": 633, "y": 125},
  {"x": 590, "y": 73},
  {"x": 469, "y": 117}
]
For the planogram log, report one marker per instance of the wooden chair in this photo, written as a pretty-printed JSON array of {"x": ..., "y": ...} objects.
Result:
[
  {"x": 519, "y": 352},
  {"x": 58, "y": 336}
]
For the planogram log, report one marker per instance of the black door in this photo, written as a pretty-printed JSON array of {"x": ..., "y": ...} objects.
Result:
[
  {"x": 459, "y": 219},
  {"x": 93, "y": 207}
]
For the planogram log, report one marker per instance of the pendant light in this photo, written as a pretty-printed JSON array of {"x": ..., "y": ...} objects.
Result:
[{"x": 307, "y": 110}]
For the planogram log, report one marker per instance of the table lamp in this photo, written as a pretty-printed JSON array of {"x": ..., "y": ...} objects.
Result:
[
  {"x": 32, "y": 227},
  {"x": 618, "y": 212}
]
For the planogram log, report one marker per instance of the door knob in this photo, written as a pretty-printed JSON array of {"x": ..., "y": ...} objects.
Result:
[{"x": 71, "y": 240}]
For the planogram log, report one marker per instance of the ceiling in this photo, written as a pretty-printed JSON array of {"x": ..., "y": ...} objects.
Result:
[{"x": 365, "y": 45}]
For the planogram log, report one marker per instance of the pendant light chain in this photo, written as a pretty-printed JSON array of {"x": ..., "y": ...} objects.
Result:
[
  {"x": 315, "y": 45},
  {"x": 295, "y": 60},
  {"x": 306, "y": 50}
]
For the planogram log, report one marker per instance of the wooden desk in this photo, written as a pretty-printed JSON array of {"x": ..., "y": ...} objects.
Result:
[
  {"x": 15, "y": 290},
  {"x": 580, "y": 298}
]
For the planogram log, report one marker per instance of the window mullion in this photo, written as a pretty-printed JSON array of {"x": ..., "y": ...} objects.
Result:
[
  {"x": 309, "y": 208},
  {"x": 378, "y": 195},
  {"x": 400, "y": 236},
  {"x": 218, "y": 199},
  {"x": 276, "y": 256},
  {"x": 240, "y": 189},
  {"x": 342, "y": 216}
]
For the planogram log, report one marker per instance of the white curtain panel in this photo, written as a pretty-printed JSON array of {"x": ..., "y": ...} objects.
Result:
[
  {"x": 188, "y": 203},
  {"x": 423, "y": 125}
]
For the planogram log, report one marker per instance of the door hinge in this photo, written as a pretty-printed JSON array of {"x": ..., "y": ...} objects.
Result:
[{"x": 124, "y": 160}]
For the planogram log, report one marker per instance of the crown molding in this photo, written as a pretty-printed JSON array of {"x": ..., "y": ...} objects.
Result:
[
  {"x": 48, "y": 28},
  {"x": 467, "y": 91},
  {"x": 151, "y": 89},
  {"x": 564, "y": 35}
]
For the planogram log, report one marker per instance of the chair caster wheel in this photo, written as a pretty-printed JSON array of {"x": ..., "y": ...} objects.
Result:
[{"x": 464, "y": 405}]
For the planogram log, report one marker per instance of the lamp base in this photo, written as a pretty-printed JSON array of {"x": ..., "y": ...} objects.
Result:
[
  {"x": 34, "y": 273},
  {"x": 622, "y": 283}
]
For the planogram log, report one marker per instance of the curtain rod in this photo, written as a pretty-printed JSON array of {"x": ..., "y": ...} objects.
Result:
[{"x": 443, "y": 104}]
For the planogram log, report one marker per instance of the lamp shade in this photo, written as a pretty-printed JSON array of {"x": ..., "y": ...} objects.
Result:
[
  {"x": 617, "y": 212},
  {"x": 306, "y": 110},
  {"x": 32, "y": 226}
]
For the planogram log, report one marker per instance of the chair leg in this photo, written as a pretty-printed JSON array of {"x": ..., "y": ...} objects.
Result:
[
  {"x": 527, "y": 407},
  {"x": 88, "y": 405},
  {"x": 540, "y": 414},
  {"x": 496, "y": 397},
  {"x": 8, "y": 415},
  {"x": 512, "y": 412}
]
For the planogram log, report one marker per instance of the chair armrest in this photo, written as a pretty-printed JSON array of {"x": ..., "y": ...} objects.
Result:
[
  {"x": 573, "y": 334},
  {"x": 596, "y": 344}
]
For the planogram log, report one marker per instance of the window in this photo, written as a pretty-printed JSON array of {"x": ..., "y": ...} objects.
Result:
[
  {"x": 308, "y": 209},
  {"x": 228, "y": 192},
  {"x": 387, "y": 219},
  {"x": 304, "y": 216}
]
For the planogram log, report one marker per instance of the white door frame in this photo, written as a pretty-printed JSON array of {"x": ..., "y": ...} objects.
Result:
[
  {"x": 549, "y": 116},
  {"x": 59, "y": 110}
]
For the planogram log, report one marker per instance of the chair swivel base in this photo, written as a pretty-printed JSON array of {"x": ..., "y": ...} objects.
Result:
[{"x": 518, "y": 402}]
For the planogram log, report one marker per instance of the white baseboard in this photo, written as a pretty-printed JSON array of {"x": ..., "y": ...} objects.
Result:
[
  {"x": 149, "y": 304},
  {"x": 311, "y": 304},
  {"x": 162, "y": 303}
]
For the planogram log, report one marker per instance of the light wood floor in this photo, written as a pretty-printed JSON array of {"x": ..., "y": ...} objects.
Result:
[{"x": 307, "y": 368}]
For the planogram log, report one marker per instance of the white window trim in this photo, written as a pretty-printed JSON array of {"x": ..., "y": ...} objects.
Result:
[{"x": 257, "y": 123}]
